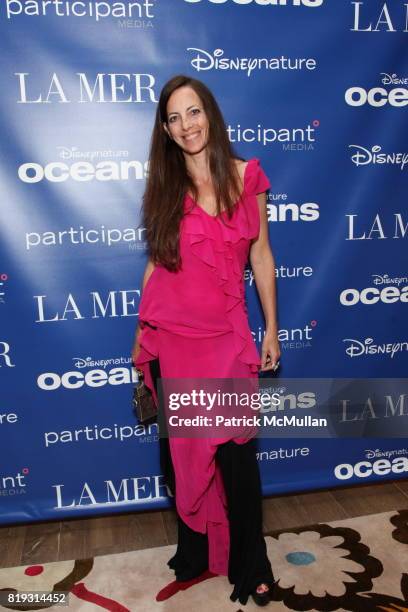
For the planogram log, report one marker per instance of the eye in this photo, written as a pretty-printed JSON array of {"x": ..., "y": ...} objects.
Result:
[
  {"x": 172, "y": 118},
  {"x": 195, "y": 111}
]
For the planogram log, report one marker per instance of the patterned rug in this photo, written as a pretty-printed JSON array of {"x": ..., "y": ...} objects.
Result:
[{"x": 354, "y": 565}]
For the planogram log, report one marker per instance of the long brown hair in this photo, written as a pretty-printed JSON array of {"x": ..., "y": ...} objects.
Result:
[{"x": 168, "y": 180}]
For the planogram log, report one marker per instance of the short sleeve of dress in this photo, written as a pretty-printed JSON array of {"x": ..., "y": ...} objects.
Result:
[{"x": 256, "y": 179}]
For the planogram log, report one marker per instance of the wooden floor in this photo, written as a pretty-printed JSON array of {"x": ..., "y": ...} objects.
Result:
[{"x": 87, "y": 537}]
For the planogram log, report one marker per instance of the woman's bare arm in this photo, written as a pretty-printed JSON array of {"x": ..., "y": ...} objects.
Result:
[{"x": 263, "y": 267}]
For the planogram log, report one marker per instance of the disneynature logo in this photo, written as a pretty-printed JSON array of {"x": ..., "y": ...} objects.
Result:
[{"x": 216, "y": 60}]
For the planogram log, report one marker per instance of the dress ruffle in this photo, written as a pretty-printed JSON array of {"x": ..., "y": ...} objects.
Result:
[
  {"x": 220, "y": 255},
  {"x": 218, "y": 248},
  {"x": 222, "y": 244}
]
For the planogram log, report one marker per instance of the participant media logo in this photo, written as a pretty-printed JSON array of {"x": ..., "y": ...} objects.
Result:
[
  {"x": 95, "y": 10},
  {"x": 100, "y": 433},
  {"x": 90, "y": 236},
  {"x": 14, "y": 484},
  {"x": 290, "y": 338},
  {"x": 290, "y": 138}
]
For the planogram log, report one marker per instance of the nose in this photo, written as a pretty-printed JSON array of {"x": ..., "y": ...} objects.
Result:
[{"x": 186, "y": 123}]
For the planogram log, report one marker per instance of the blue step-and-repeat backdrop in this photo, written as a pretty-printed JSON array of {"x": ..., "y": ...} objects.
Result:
[{"x": 318, "y": 91}]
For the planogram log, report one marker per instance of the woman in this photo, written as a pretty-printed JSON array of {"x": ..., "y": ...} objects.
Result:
[{"x": 205, "y": 211}]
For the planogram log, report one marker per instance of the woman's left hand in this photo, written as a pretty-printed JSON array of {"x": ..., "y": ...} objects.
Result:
[{"x": 270, "y": 352}]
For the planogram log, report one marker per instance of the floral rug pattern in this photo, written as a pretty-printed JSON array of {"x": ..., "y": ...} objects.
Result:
[{"x": 353, "y": 565}]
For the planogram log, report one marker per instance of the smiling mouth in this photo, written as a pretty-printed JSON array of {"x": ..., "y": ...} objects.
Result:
[{"x": 191, "y": 136}]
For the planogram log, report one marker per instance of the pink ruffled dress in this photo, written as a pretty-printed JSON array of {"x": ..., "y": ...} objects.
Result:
[{"x": 202, "y": 331}]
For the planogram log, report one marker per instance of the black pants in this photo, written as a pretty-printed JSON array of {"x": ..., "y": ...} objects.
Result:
[{"x": 248, "y": 562}]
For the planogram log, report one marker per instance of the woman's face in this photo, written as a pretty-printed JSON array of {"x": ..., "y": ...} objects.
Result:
[{"x": 187, "y": 123}]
